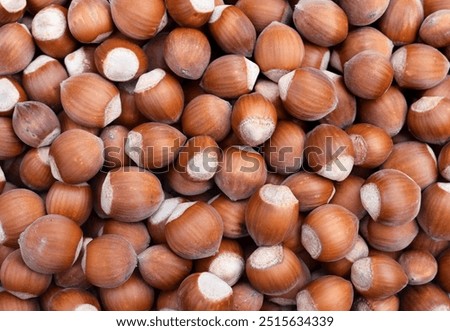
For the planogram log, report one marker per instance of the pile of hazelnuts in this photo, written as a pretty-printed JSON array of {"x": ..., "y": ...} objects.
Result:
[{"x": 224, "y": 155}]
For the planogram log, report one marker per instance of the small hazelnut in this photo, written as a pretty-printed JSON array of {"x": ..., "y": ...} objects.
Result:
[
  {"x": 163, "y": 269},
  {"x": 105, "y": 267},
  {"x": 204, "y": 291},
  {"x": 59, "y": 240},
  {"x": 326, "y": 293},
  {"x": 232, "y": 30},
  {"x": 76, "y": 156},
  {"x": 194, "y": 230},
  {"x": 378, "y": 277},
  {"x": 139, "y": 20},
  {"x": 90, "y": 21}
]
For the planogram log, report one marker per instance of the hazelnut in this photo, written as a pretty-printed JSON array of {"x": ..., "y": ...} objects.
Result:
[
  {"x": 431, "y": 6},
  {"x": 107, "y": 268},
  {"x": 391, "y": 303},
  {"x": 130, "y": 116},
  {"x": 190, "y": 13},
  {"x": 232, "y": 30},
  {"x": 207, "y": 115},
  {"x": 68, "y": 124},
  {"x": 400, "y": 29},
  {"x": 326, "y": 293},
  {"x": 74, "y": 277},
  {"x": 11, "y": 92},
  {"x": 72, "y": 201},
  {"x": 187, "y": 52},
  {"x": 198, "y": 159},
  {"x": 34, "y": 6},
  {"x": 419, "y": 66},
  {"x": 428, "y": 119},
  {"x": 90, "y": 21},
  {"x": 388, "y": 238},
  {"x": 159, "y": 96},
  {"x": 35, "y": 170},
  {"x": 120, "y": 60},
  {"x": 154, "y": 49},
  {"x": 129, "y": 194},
  {"x": 275, "y": 270},
  {"x": 17, "y": 48},
  {"x": 443, "y": 270},
  {"x": 279, "y": 49},
  {"x": 342, "y": 267},
  {"x": 271, "y": 214},
  {"x": 283, "y": 151},
  {"x": 41, "y": 80},
  {"x": 167, "y": 301},
  {"x": 59, "y": 240},
  {"x": 311, "y": 190},
  {"x": 76, "y": 156},
  {"x": 347, "y": 195},
  {"x": 415, "y": 159},
  {"x": 391, "y": 197},
  {"x": 378, "y": 277},
  {"x": 387, "y": 112},
  {"x": 363, "y": 39},
  {"x": 12, "y": 11},
  {"x": 194, "y": 230},
  {"x": 73, "y": 299},
  {"x": 133, "y": 295},
  {"x": 139, "y": 20},
  {"x": 204, "y": 291},
  {"x": 90, "y": 100},
  {"x": 420, "y": 266},
  {"x": 368, "y": 74},
  {"x": 308, "y": 94},
  {"x": 315, "y": 56},
  {"x": 161, "y": 268},
  {"x": 363, "y": 12},
  {"x": 246, "y": 298},
  {"x": 440, "y": 90},
  {"x": 20, "y": 280},
  {"x": 444, "y": 161},
  {"x": 51, "y": 32},
  {"x": 253, "y": 119},
  {"x": 322, "y": 22},
  {"x": 35, "y": 123},
  {"x": 372, "y": 144},
  {"x": 434, "y": 27},
  {"x": 114, "y": 139},
  {"x": 434, "y": 213},
  {"x": 154, "y": 145},
  {"x": 241, "y": 172},
  {"x": 329, "y": 152},
  {"x": 9, "y": 302},
  {"x": 329, "y": 232},
  {"x": 427, "y": 297},
  {"x": 269, "y": 89},
  {"x": 136, "y": 233},
  {"x": 180, "y": 184},
  {"x": 18, "y": 209},
  {"x": 261, "y": 14},
  {"x": 223, "y": 77},
  {"x": 427, "y": 243}
]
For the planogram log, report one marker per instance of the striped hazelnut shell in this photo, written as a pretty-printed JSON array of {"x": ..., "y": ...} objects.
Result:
[
  {"x": 90, "y": 100},
  {"x": 108, "y": 268}
]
